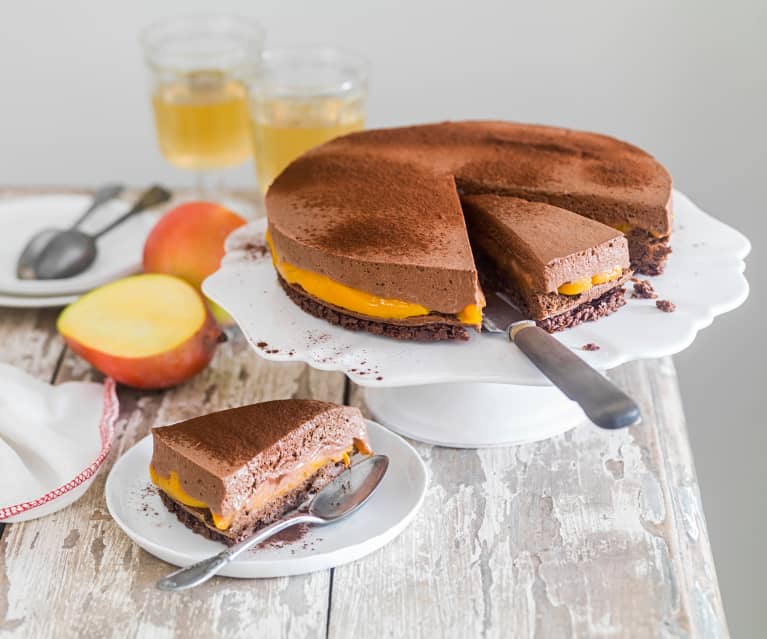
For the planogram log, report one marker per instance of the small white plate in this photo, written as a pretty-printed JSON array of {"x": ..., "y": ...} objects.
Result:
[
  {"x": 119, "y": 251},
  {"x": 136, "y": 507},
  {"x": 36, "y": 301}
]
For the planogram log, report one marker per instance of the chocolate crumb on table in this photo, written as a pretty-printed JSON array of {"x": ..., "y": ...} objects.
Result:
[
  {"x": 666, "y": 306},
  {"x": 643, "y": 290},
  {"x": 591, "y": 346}
]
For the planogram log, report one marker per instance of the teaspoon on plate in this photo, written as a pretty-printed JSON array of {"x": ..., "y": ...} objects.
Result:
[
  {"x": 72, "y": 251},
  {"x": 341, "y": 497},
  {"x": 25, "y": 266}
]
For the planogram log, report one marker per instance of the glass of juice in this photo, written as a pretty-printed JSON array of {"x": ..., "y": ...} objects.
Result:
[
  {"x": 200, "y": 67},
  {"x": 303, "y": 96}
]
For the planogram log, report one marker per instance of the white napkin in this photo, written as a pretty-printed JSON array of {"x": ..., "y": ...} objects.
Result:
[{"x": 53, "y": 440}]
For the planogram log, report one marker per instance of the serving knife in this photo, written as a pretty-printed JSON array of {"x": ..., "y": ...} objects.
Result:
[{"x": 603, "y": 402}]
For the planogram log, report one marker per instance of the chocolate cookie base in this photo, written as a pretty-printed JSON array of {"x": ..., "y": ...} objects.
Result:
[
  {"x": 432, "y": 330},
  {"x": 199, "y": 520},
  {"x": 586, "y": 312},
  {"x": 648, "y": 253}
]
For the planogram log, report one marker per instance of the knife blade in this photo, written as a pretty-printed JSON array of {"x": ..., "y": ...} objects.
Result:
[{"x": 604, "y": 403}]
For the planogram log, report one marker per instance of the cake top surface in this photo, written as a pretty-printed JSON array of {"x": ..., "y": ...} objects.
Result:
[
  {"x": 347, "y": 204},
  {"x": 228, "y": 439},
  {"x": 392, "y": 194},
  {"x": 490, "y": 156}
]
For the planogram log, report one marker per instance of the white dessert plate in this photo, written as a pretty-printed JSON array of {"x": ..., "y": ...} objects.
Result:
[
  {"x": 704, "y": 278},
  {"x": 136, "y": 507},
  {"x": 36, "y": 301},
  {"x": 119, "y": 253}
]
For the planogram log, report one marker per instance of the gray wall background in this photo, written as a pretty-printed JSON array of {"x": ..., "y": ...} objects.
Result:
[{"x": 683, "y": 79}]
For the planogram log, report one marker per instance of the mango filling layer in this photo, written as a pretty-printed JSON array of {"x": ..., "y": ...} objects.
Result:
[
  {"x": 577, "y": 287},
  {"x": 352, "y": 299},
  {"x": 265, "y": 493}
]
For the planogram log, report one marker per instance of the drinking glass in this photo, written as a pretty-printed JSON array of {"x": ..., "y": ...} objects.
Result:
[
  {"x": 199, "y": 68},
  {"x": 303, "y": 97}
]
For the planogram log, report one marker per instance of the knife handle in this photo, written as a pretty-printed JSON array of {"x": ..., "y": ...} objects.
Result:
[{"x": 603, "y": 402}]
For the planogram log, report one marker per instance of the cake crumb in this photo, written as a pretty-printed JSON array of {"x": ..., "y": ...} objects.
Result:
[
  {"x": 255, "y": 251},
  {"x": 262, "y": 344},
  {"x": 591, "y": 346},
  {"x": 666, "y": 306},
  {"x": 644, "y": 290}
]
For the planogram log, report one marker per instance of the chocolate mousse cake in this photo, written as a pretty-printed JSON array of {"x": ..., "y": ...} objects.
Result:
[
  {"x": 367, "y": 231},
  {"x": 558, "y": 267},
  {"x": 229, "y": 473}
]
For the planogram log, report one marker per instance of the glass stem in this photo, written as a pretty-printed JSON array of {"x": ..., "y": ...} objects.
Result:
[{"x": 203, "y": 185}]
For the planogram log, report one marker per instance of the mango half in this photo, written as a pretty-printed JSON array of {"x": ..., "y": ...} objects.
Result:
[{"x": 147, "y": 331}]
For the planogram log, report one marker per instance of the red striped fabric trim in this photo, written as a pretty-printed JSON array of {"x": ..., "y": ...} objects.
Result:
[{"x": 106, "y": 430}]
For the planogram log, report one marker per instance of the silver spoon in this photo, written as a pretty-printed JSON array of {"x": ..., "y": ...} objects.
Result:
[
  {"x": 341, "y": 497},
  {"x": 72, "y": 251},
  {"x": 25, "y": 264}
]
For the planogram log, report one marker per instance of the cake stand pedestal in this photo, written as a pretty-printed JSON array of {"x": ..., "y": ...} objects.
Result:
[
  {"x": 474, "y": 415},
  {"x": 484, "y": 392}
]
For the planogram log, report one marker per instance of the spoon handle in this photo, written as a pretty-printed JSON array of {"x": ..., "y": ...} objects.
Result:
[
  {"x": 101, "y": 196},
  {"x": 200, "y": 572},
  {"x": 152, "y": 197}
]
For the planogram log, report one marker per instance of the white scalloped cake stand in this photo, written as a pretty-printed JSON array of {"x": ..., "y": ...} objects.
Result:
[{"x": 484, "y": 392}]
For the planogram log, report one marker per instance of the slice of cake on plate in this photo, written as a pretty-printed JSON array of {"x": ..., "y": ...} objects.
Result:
[
  {"x": 558, "y": 267},
  {"x": 229, "y": 473}
]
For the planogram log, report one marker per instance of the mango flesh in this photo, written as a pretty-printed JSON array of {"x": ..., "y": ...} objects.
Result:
[
  {"x": 147, "y": 331},
  {"x": 188, "y": 242}
]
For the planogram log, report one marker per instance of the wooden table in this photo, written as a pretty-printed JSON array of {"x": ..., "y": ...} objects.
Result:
[{"x": 590, "y": 534}]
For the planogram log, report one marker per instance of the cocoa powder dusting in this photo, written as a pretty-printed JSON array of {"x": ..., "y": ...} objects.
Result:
[
  {"x": 415, "y": 202},
  {"x": 288, "y": 536}
]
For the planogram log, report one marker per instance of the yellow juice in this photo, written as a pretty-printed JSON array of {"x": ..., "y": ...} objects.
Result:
[
  {"x": 202, "y": 121},
  {"x": 284, "y": 128}
]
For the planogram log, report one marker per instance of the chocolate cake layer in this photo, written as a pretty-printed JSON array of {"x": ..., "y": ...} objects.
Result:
[
  {"x": 200, "y": 521},
  {"x": 587, "y": 312},
  {"x": 648, "y": 253},
  {"x": 234, "y": 462},
  {"x": 429, "y": 329}
]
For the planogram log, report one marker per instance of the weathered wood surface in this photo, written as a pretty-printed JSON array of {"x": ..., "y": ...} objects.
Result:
[{"x": 587, "y": 534}]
